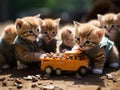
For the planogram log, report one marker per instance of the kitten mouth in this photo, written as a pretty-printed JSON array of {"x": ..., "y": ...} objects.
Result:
[
  {"x": 109, "y": 31},
  {"x": 36, "y": 37}
]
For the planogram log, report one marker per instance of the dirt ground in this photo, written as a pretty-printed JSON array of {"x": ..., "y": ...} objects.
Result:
[{"x": 32, "y": 79}]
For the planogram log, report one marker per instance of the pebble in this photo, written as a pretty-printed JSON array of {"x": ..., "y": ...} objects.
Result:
[
  {"x": 18, "y": 81},
  {"x": 78, "y": 76},
  {"x": 49, "y": 87},
  {"x": 11, "y": 79},
  {"x": 46, "y": 76},
  {"x": 109, "y": 76},
  {"x": 2, "y": 79},
  {"x": 15, "y": 84},
  {"x": 28, "y": 77},
  {"x": 4, "y": 83},
  {"x": 33, "y": 85},
  {"x": 38, "y": 76},
  {"x": 19, "y": 86},
  {"x": 34, "y": 79}
]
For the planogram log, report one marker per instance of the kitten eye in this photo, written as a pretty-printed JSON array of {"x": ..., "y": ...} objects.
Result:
[
  {"x": 105, "y": 26},
  {"x": 38, "y": 30},
  {"x": 45, "y": 33},
  {"x": 30, "y": 31},
  {"x": 78, "y": 39},
  {"x": 53, "y": 32},
  {"x": 112, "y": 26},
  {"x": 87, "y": 42}
]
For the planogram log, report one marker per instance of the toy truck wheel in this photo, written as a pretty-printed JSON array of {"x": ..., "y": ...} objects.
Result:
[
  {"x": 48, "y": 70},
  {"x": 58, "y": 71},
  {"x": 82, "y": 70}
]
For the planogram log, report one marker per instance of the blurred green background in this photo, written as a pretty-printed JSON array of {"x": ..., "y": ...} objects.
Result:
[{"x": 67, "y": 10}]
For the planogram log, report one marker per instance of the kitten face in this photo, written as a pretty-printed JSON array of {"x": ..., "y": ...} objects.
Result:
[
  {"x": 67, "y": 35},
  {"x": 88, "y": 36},
  {"x": 9, "y": 34},
  {"x": 49, "y": 29},
  {"x": 28, "y": 27},
  {"x": 110, "y": 22}
]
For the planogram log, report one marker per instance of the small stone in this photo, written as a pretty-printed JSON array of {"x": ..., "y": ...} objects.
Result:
[
  {"x": 38, "y": 76},
  {"x": 33, "y": 85},
  {"x": 10, "y": 79},
  {"x": 46, "y": 76},
  {"x": 109, "y": 76},
  {"x": 15, "y": 84},
  {"x": 114, "y": 80},
  {"x": 77, "y": 75},
  {"x": 28, "y": 77},
  {"x": 49, "y": 87},
  {"x": 39, "y": 83},
  {"x": 18, "y": 81},
  {"x": 51, "y": 83},
  {"x": 19, "y": 86},
  {"x": 34, "y": 79},
  {"x": 2, "y": 79},
  {"x": 4, "y": 83}
]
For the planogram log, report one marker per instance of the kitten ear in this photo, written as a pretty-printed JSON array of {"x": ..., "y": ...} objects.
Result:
[
  {"x": 37, "y": 16},
  {"x": 57, "y": 21},
  {"x": 100, "y": 33},
  {"x": 99, "y": 16},
  {"x": 118, "y": 16},
  {"x": 19, "y": 23},
  {"x": 7, "y": 30},
  {"x": 76, "y": 24},
  {"x": 41, "y": 22},
  {"x": 69, "y": 31}
]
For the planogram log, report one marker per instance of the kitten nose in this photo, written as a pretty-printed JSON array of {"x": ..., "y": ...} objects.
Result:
[
  {"x": 36, "y": 36},
  {"x": 81, "y": 46}
]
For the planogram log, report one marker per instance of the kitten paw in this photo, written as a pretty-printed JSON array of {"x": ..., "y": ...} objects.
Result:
[
  {"x": 42, "y": 55},
  {"x": 114, "y": 65},
  {"x": 97, "y": 71}
]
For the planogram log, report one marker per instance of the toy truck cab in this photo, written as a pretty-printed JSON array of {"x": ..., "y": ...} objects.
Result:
[{"x": 68, "y": 61}]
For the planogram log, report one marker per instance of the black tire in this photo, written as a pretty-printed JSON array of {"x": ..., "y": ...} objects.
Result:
[
  {"x": 58, "y": 71},
  {"x": 82, "y": 70},
  {"x": 48, "y": 70}
]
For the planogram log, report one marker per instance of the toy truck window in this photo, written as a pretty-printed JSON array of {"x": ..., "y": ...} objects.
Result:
[
  {"x": 78, "y": 57},
  {"x": 69, "y": 57}
]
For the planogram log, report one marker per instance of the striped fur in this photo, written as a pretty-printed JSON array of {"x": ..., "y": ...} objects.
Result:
[
  {"x": 66, "y": 36},
  {"x": 7, "y": 46},
  {"x": 110, "y": 22},
  {"x": 26, "y": 47},
  {"x": 90, "y": 39},
  {"x": 49, "y": 30}
]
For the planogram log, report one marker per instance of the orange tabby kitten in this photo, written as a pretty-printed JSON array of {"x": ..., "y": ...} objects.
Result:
[
  {"x": 49, "y": 30},
  {"x": 95, "y": 22},
  {"x": 7, "y": 47},
  {"x": 110, "y": 22},
  {"x": 26, "y": 46},
  {"x": 67, "y": 35},
  {"x": 92, "y": 41}
]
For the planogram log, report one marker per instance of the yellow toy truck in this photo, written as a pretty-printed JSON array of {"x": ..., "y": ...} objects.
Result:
[{"x": 68, "y": 61}]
